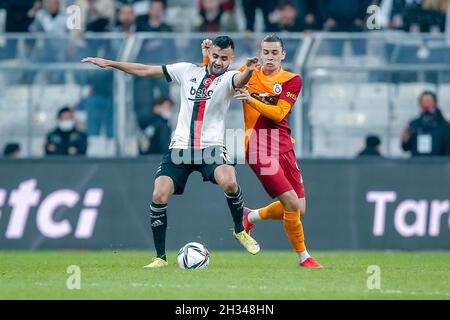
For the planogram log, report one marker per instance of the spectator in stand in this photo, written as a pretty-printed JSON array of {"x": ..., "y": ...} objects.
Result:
[
  {"x": 66, "y": 139},
  {"x": 372, "y": 147},
  {"x": 19, "y": 14},
  {"x": 154, "y": 20},
  {"x": 392, "y": 13},
  {"x": 17, "y": 20},
  {"x": 447, "y": 22},
  {"x": 266, "y": 6},
  {"x": 343, "y": 15},
  {"x": 286, "y": 18},
  {"x": 429, "y": 134},
  {"x": 157, "y": 131},
  {"x": 126, "y": 19},
  {"x": 226, "y": 5},
  {"x": 48, "y": 19},
  {"x": 141, "y": 7},
  {"x": 154, "y": 50},
  {"x": 97, "y": 15},
  {"x": 12, "y": 150},
  {"x": 53, "y": 21},
  {"x": 214, "y": 18},
  {"x": 99, "y": 104},
  {"x": 434, "y": 14},
  {"x": 307, "y": 14},
  {"x": 415, "y": 15}
]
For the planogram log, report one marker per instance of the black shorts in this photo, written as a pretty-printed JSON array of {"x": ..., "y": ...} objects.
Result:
[{"x": 178, "y": 164}]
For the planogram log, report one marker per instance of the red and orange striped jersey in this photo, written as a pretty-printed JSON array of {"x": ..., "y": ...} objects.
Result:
[{"x": 278, "y": 94}]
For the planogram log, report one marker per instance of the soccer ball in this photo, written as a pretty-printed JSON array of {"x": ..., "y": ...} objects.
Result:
[{"x": 193, "y": 255}]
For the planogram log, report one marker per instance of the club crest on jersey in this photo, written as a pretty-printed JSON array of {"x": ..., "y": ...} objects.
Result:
[
  {"x": 207, "y": 82},
  {"x": 277, "y": 88}
]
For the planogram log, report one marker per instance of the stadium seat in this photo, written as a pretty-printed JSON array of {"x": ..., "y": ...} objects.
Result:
[
  {"x": 373, "y": 92},
  {"x": 408, "y": 93},
  {"x": 99, "y": 146}
]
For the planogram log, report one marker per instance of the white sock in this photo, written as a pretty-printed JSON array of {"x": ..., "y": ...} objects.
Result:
[
  {"x": 254, "y": 216},
  {"x": 303, "y": 256}
]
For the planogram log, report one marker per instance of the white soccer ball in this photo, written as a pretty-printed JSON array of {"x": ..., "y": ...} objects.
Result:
[{"x": 193, "y": 255}]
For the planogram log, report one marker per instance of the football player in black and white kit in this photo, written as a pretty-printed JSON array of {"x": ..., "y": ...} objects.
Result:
[{"x": 198, "y": 140}]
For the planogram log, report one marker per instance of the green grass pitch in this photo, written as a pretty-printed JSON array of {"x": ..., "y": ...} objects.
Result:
[{"x": 231, "y": 275}]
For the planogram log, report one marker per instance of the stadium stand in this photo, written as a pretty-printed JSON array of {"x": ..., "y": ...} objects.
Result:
[{"x": 354, "y": 84}]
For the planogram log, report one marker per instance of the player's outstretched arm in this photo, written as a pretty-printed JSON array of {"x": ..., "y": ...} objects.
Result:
[
  {"x": 274, "y": 112},
  {"x": 241, "y": 78},
  {"x": 136, "y": 69}
]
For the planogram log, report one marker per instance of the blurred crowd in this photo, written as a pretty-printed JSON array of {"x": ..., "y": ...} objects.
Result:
[
  {"x": 152, "y": 104},
  {"x": 221, "y": 15}
]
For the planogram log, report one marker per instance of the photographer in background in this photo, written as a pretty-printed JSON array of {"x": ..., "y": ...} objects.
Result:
[{"x": 429, "y": 134}]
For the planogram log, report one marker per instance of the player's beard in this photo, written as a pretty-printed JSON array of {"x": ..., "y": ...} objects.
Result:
[{"x": 222, "y": 70}]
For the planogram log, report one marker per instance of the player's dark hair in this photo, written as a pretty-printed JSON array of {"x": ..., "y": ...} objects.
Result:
[
  {"x": 273, "y": 38},
  {"x": 428, "y": 93},
  {"x": 223, "y": 42},
  {"x": 62, "y": 110}
]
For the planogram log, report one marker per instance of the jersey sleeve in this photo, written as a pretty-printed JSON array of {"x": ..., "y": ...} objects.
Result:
[
  {"x": 176, "y": 71},
  {"x": 291, "y": 90},
  {"x": 242, "y": 68}
]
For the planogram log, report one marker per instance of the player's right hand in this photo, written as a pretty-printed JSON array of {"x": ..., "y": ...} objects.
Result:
[
  {"x": 252, "y": 63},
  {"x": 243, "y": 94},
  {"x": 100, "y": 62}
]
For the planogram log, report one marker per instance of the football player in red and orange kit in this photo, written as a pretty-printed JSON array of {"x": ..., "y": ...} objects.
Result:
[{"x": 269, "y": 148}]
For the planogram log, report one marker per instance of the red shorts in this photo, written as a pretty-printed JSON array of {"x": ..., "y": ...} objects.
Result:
[{"x": 279, "y": 175}]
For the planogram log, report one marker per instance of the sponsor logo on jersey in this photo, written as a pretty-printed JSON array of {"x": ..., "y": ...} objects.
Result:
[
  {"x": 194, "y": 80},
  {"x": 277, "y": 88},
  {"x": 291, "y": 95},
  {"x": 265, "y": 98},
  {"x": 200, "y": 94}
]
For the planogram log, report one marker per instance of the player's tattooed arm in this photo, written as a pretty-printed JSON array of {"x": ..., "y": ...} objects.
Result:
[
  {"x": 274, "y": 112},
  {"x": 240, "y": 79},
  {"x": 136, "y": 69}
]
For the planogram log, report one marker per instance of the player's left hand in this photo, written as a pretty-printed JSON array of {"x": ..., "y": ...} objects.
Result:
[
  {"x": 206, "y": 44},
  {"x": 252, "y": 63},
  {"x": 243, "y": 94},
  {"x": 102, "y": 63}
]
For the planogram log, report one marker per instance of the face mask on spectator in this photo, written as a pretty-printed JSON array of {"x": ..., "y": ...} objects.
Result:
[
  {"x": 427, "y": 108},
  {"x": 66, "y": 125},
  {"x": 166, "y": 115}
]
